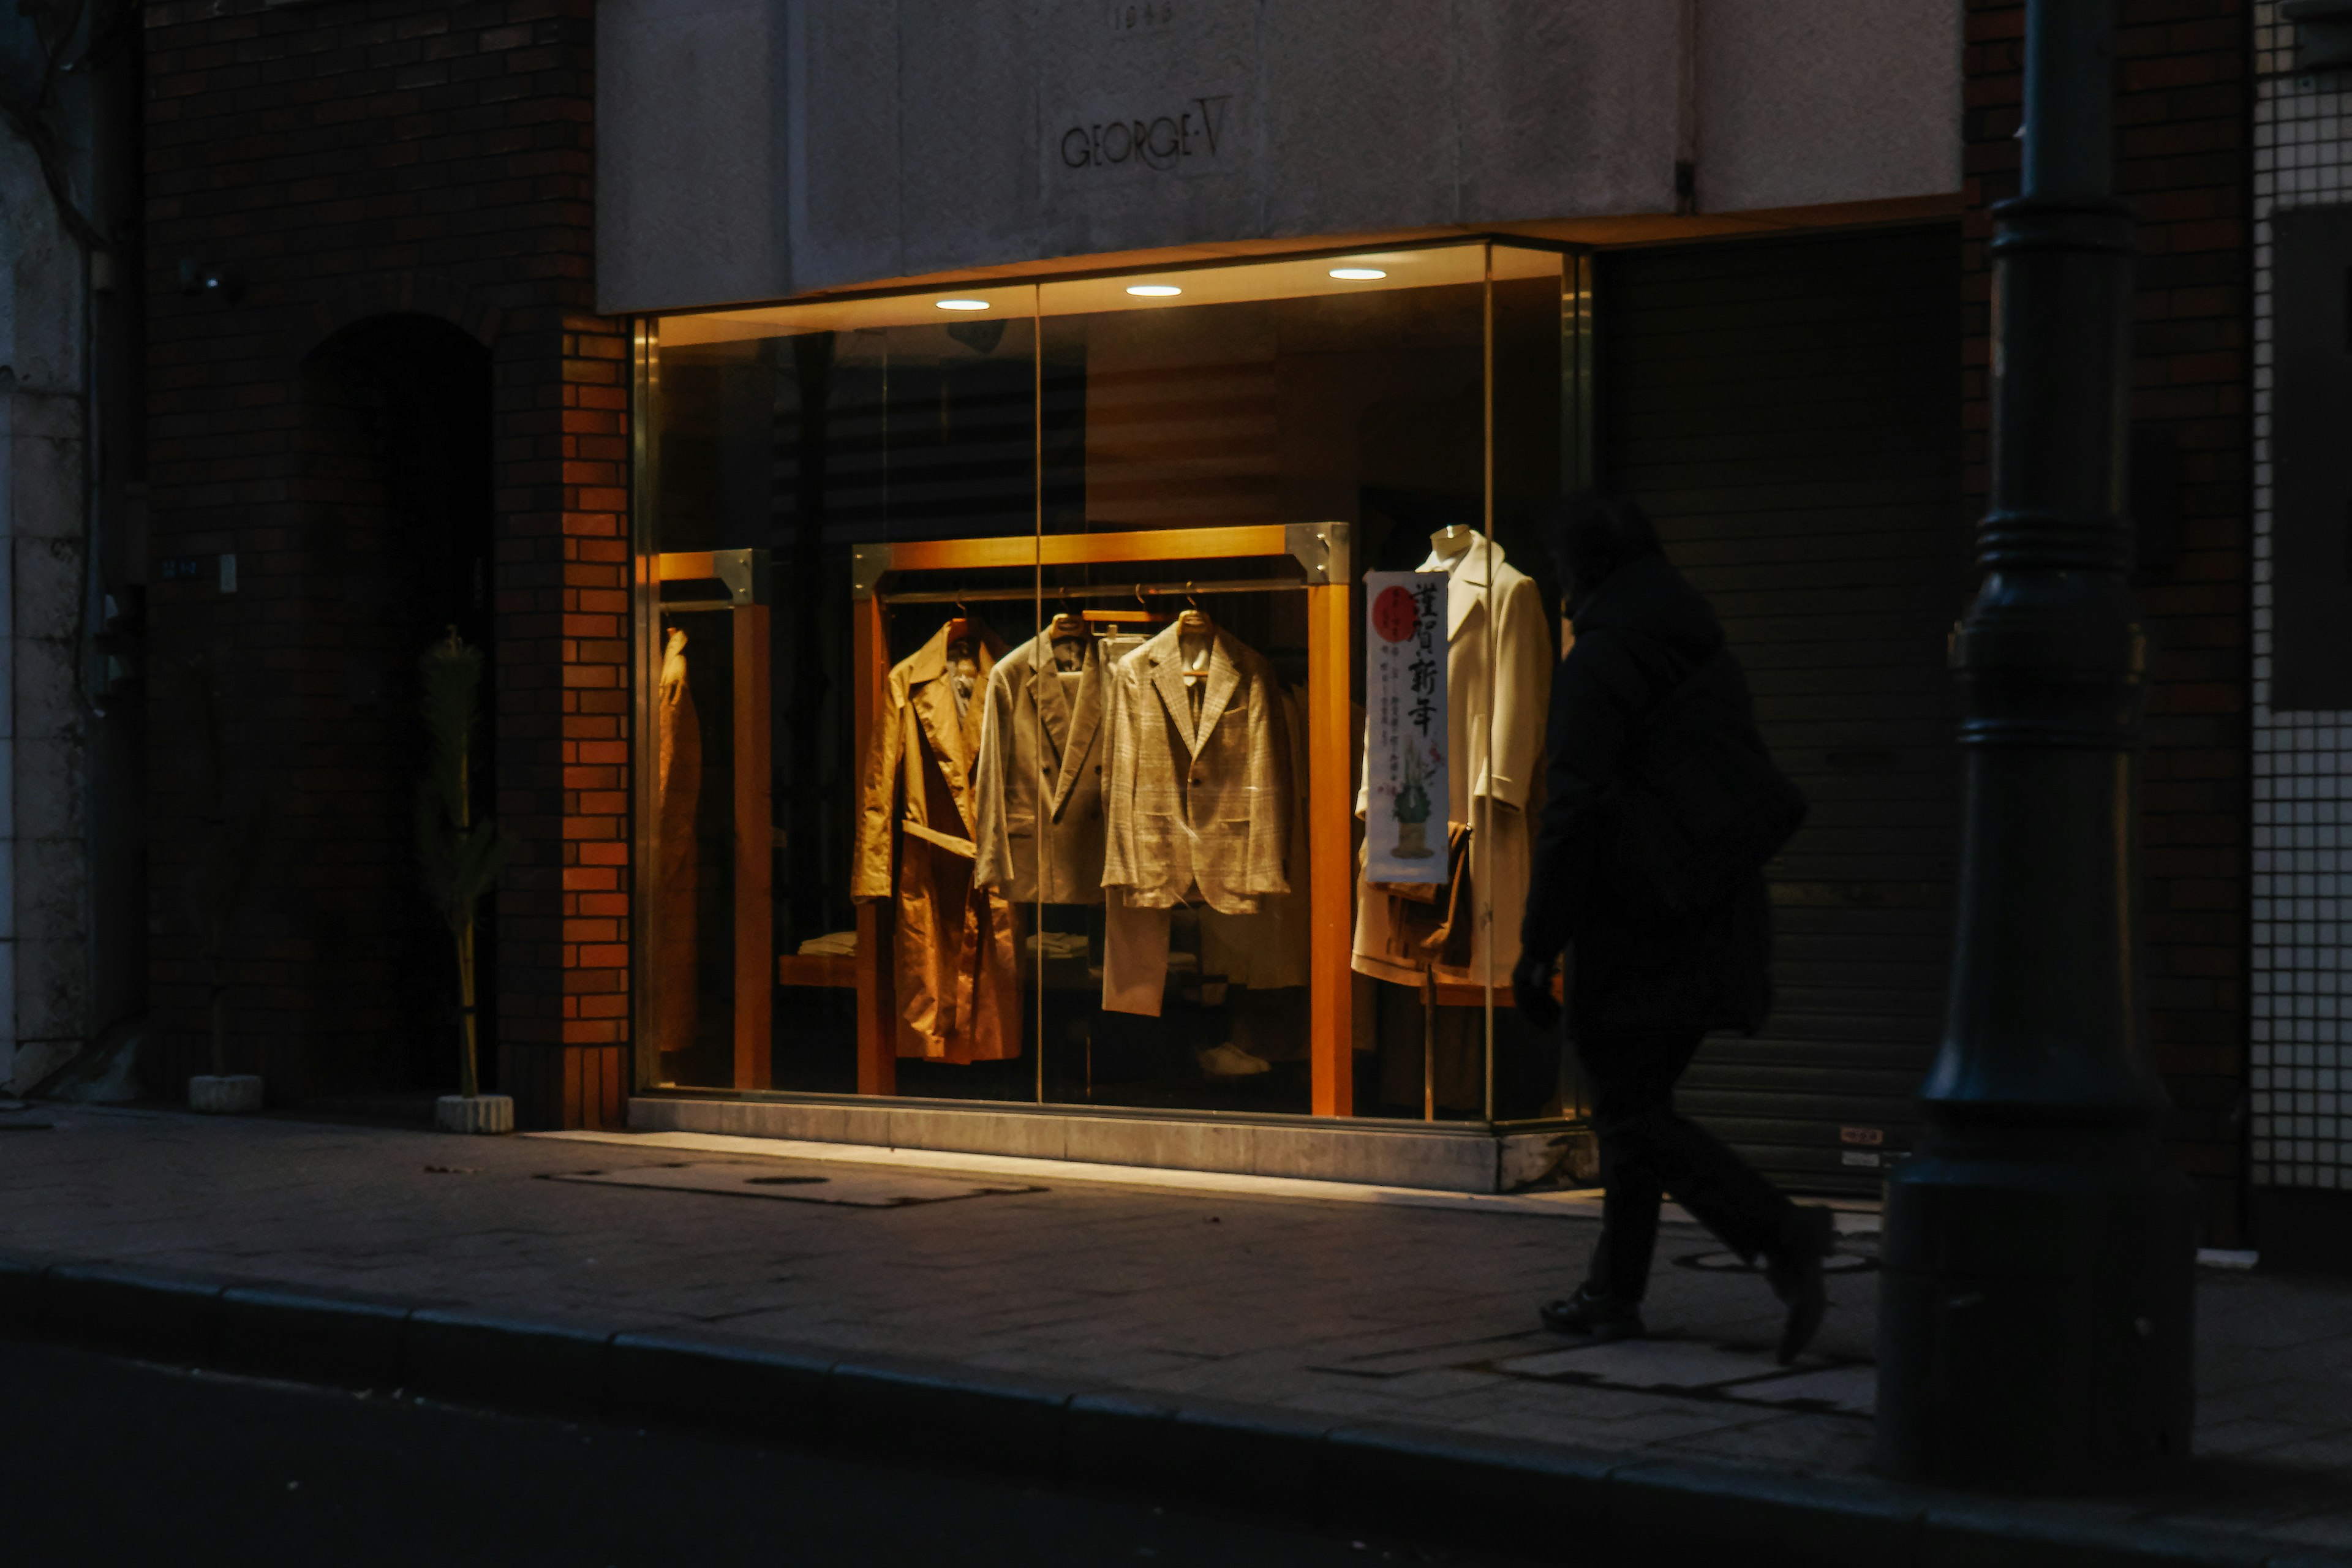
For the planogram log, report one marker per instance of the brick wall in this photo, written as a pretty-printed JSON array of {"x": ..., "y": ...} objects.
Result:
[
  {"x": 2183, "y": 92},
  {"x": 562, "y": 605},
  {"x": 338, "y": 164}
]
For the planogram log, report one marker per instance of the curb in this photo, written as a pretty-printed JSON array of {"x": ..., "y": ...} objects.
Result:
[{"x": 1499, "y": 1494}]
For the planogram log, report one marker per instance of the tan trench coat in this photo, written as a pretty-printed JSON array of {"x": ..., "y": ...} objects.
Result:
[
  {"x": 1498, "y": 662},
  {"x": 677, "y": 790},
  {"x": 1040, "y": 781},
  {"x": 954, "y": 956}
]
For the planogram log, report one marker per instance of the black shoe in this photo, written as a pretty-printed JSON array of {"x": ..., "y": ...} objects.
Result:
[
  {"x": 1808, "y": 1235},
  {"x": 1594, "y": 1317}
]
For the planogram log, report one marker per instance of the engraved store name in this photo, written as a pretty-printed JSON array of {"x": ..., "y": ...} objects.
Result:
[{"x": 1163, "y": 142}]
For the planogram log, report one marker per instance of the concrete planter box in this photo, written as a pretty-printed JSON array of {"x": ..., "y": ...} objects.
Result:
[
  {"x": 226, "y": 1094},
  {"x": 474, "y": 1113}
]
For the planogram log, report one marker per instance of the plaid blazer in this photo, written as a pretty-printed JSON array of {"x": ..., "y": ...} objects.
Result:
[{"x": 1197, "y": 802}]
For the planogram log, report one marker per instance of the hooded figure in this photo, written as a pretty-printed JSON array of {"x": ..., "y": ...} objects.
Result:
[{"x": 1649, "y": 984}]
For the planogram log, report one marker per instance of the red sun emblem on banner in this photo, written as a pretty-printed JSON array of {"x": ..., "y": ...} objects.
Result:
[{"x": 1394, "y": 614}]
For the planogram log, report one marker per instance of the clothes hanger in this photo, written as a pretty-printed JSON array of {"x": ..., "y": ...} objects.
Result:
[
  {"x": 1140, "y": 615},
  {"x": 1194, "y": 621},
  {"x": 958, "y": 628},
  {"x": 1066, "y": 621}
]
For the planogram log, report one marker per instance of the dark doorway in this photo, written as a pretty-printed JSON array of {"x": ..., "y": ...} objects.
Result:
[{"x": 396, "y": 549}]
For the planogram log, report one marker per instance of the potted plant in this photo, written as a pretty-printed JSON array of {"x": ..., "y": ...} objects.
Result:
[
  {"x": 460, "y": 859},
  {"x": 1413, "y": 810}
]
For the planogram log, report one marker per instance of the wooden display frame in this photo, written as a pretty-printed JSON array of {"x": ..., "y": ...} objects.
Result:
[
  {"x": 743, "y": 574},
  {"x": 1321, "y": 550}
]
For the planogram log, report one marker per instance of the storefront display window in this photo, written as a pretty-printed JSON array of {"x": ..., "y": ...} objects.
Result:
[{"x": 1003, "y": 730}]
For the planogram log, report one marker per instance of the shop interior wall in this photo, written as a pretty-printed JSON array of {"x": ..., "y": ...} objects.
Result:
[{"x": 2182, "y": 105}]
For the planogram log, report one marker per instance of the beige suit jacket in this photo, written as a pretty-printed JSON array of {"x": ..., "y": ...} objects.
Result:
[
  {"x": 1197, "y": 802},
  {"x": 1040, "y": 781}
]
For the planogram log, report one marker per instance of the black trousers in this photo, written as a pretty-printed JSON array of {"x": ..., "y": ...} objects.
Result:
[{"x": 1649, "y": 1152}]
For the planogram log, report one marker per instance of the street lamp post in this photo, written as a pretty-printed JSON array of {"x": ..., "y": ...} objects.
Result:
[{"x": 2034, "y": 1322}]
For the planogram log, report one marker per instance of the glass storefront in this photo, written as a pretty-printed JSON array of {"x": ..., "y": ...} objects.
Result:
[{"x": 1015, "y": 724}]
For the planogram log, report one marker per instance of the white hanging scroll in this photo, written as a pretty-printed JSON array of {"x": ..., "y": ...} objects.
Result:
[{"x": 1404, "y": 740}]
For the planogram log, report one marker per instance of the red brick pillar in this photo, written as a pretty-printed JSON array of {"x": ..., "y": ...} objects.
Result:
[{"x": 564, "y": 721}]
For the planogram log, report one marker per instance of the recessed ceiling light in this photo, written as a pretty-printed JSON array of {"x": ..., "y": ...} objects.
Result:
[
  {"x": 963, "y": 304},
  {"x": 1358, "y": 274},
  {"x": 1153, "y": 290}
]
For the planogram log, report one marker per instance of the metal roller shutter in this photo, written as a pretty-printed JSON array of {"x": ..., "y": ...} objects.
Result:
[{"x": 1790, "y": 413}]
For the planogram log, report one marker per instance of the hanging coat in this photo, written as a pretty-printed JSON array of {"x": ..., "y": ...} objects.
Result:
[
  {"x": 1040, "y": 780},
  {"x": 1498, "y": 665},
  {"x": 954, "y": 952},
  {"x": 677, "y": 790},
  {"x": 1197, "y": 805}
]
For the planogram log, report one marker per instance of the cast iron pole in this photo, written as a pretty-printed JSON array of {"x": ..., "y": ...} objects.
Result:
[{"x": 2035, "y": 1324}]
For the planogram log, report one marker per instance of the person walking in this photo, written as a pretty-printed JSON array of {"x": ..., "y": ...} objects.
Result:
[{"x": 1662, "y": 806}]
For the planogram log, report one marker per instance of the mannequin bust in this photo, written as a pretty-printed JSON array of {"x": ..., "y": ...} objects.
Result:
[{"x": 1449, "y": 542}]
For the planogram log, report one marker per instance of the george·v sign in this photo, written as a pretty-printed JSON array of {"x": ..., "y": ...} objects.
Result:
[{"x": 1166, "y": 142}]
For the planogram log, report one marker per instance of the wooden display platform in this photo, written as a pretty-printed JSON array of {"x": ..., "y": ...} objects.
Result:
[{"x": 821, "y": 969}]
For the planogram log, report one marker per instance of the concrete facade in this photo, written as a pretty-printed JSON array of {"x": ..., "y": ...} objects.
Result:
[
  {"x": 757, "y": 149},
  {"x": 60, "y": 475}
]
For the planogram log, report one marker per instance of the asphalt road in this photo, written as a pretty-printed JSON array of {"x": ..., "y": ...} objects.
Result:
[{"x": 105, "y": 1461}]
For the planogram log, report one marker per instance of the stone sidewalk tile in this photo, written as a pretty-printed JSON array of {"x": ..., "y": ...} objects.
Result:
[{"x": 1280, "y": 1302}]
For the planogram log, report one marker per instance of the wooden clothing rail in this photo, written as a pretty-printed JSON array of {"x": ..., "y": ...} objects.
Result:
[{"x": 1320, "y": 549}]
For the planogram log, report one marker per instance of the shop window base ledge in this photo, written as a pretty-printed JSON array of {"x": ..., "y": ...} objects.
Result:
[{"x": 1459, "y": 1157}]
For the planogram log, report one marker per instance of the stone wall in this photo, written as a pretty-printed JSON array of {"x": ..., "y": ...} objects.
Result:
[{"x": 47, "y": 723}]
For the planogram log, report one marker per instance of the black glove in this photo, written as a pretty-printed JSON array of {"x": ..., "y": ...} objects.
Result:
[{"x": 1531, "y": 989}]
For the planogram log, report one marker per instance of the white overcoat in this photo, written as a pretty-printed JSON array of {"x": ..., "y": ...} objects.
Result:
[{"x": 1498, "y": 665}]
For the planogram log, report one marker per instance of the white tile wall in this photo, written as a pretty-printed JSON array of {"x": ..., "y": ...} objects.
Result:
[{"x": 2302, "y": 938}]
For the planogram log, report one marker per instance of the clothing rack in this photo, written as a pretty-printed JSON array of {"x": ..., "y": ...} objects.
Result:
[
  {"x": 1321, "y": 554},
  {"x": 1095, "y": 590}
]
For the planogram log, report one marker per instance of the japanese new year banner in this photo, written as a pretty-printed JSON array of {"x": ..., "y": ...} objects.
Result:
[{"x": 1404, "y": 723}]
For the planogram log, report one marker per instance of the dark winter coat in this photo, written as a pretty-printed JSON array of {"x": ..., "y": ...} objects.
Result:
[{"x": 1639, "y": 636}]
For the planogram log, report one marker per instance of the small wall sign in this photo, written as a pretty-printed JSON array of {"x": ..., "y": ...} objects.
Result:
[{"x": 1129, "y": 17}]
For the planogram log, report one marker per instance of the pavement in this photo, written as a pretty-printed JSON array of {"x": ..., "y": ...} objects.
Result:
[{"x": 1321, "y": 1323}]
